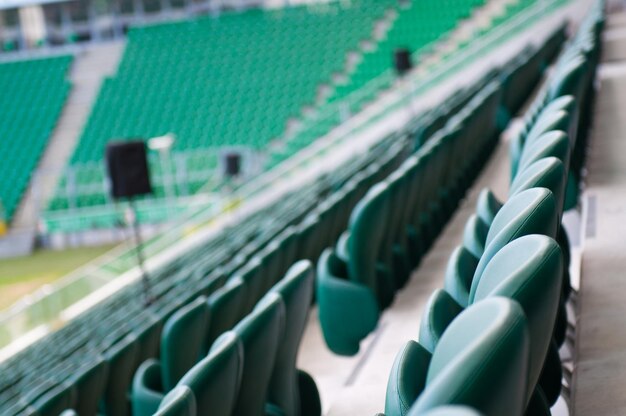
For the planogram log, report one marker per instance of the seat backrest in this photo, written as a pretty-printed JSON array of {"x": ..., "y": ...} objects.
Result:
[
  {"x": 406, "y": 379},
  {"x": 367, "y": 226},
  {"x": 250, "y": 273},
  {"x": 481, "y": 361},
  {"x": 459, "y": 273},
  {"x": 487, "y": 206},
  {"x": 552, "y": 143},
  {"x": 533, "y": 211},
  {"x": 448, "y": 411},
  {"x": 90, "y": 382},
  {"x": 121, "y": 362},
  {"x": 260, "y": 333},
  {"x": 182, "y": 340},
  {"x": 226, "y": 307},
  {"x": 54, "y": 401},
  {"x": 216, "y": 379},
  {"x": 529, "y": 271},
  {"x": 548, "y": 173},
  {"x": 178, "y": 402},
  {"x": 475, "y": 235},
  {"x": 548, "y": 121},
  {"x": 296, "y": 291}
]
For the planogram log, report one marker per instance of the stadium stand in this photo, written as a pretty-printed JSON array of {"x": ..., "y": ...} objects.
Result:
[
  {"x": 222, "y": 334},
  {"x": 33, "y": 95},
  {"x": 90, "y": 365},
  {"x": 161, "y": 90}
]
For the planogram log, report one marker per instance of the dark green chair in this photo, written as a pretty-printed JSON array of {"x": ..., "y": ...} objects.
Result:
[
  {"x": 216, "y": 379},
  {"x": 532, "y": 211},
  {"x": 449, "y": 411},
  {"x": 296, "y": 291},
  {"x": 527, "y": 270},
  {"x": 226, "y": 309},
  {"x": 351, "y": 293},
  {"x": 260, "y": 333},
  {"x": 481, "y": 361},
  {"x": 121, "y": 358},
  {"x": 54, "y": 401},
  {"x": 155, "y": 378},
  {"x": 178, "y": 402},
  {"x": 90, "y": 383}
]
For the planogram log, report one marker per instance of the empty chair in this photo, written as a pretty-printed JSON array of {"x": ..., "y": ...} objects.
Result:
[
  {"x": 532, "y": 211},
  {"x": 481, "y": 362},
  {"x": 54, "y": 401},
  {"x": 178, "y": 402},
  {"x": 448, "y": 411},
  {"x": 226, "y": 307},
  {"x": 296, "y": 291},
  {"x": 215, "y": 380},
  {"x": 121, "y": 360},
  {"x": 527, "y": 270},
  {"x": 181, "y": 344},
  {"x": 90, "y": 383},
  {"x": 351, "y": 294},
  {"x": 260, "y": 333}
]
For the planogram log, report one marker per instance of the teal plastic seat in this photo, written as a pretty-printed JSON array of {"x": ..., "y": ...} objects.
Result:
[
  {"x": 178, "y": 402},
  {"x": 215, "y": 380},
  {"x": 296, "y": 291},
  {"x": 449, "y": 411},
  {"x": 90, "y": 384},
  {"x": 54, "y": 401},
  {"x": 155, "y": 378},
  {"x": 532, "y": 211},
  {"x": 121, "y": 359},
  {"x": 459, "y": 274},
  {"x": 341, "y": 302},
  {"x": 226, "y": 307},
  {"x": 527, "y": 270},
  {"x": 550, "y": 144},
  {"x": 351, "y": 295},
  {"x": 260, "y": 333},
  {"x": 481, "y": 361}
]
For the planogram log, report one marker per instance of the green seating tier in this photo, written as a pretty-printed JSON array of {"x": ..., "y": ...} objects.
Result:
[
  {"x": 515, "y": 250},
  {"x": 33, "y": 95}
]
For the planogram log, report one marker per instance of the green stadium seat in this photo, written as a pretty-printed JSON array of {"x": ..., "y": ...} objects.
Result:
[
  {"x": 527, "y": 270},
  {"x": 121, "y": 359},
  {"x": 178, "y": 402},
  {"x": 226, "y": 305},
  {"x": 215, "y": 380},
  {"x": 296, "y": 291},
  {"x": 481, "y": 361},
  {"x": 260, "y": 333},
  {"x": 155, "y": 378}
]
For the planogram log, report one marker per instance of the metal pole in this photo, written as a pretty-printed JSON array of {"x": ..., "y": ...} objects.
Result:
[{"x": 145, "y": 282}]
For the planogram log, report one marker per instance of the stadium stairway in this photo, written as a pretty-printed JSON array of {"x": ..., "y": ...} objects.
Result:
[
  {"x": 89, "y": 68},
  {"x": 600, "y": 370}
]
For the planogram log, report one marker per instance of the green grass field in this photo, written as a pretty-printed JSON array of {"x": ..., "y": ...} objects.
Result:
[{"x": 23, "y": 275}]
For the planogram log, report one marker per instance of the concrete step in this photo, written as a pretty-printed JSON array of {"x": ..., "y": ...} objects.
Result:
[{"x": 88, "y": 71}]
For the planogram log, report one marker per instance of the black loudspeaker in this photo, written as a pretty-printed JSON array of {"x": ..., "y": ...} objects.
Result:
[
  {"x": 402, "y": 60},
  {"x": 127, "y": 165},
  {"x": 232, "y": 167}
]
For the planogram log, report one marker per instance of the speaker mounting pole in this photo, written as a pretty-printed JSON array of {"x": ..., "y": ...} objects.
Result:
[{"x": 145, "y": 280}]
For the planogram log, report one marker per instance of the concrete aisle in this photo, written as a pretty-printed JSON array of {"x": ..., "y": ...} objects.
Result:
[{"x": 600, "y": 375}]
